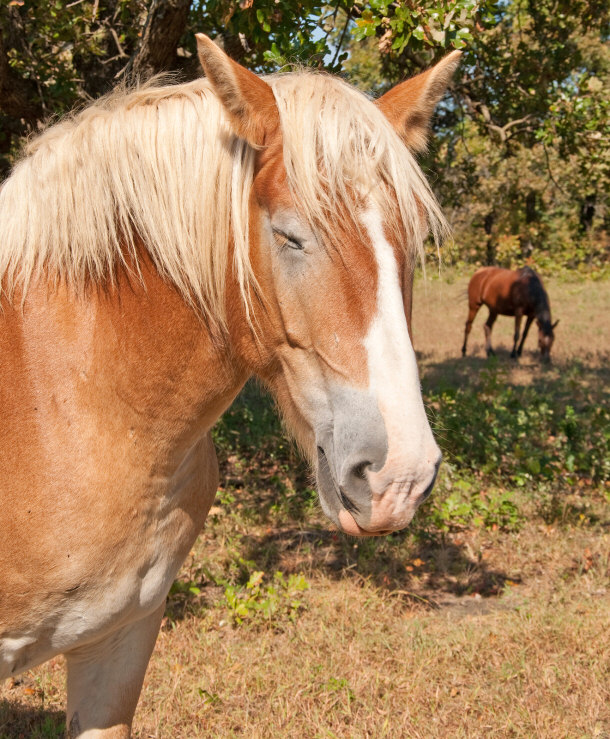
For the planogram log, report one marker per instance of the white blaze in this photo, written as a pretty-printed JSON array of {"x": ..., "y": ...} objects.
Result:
[{"x": 394, "y": 380}]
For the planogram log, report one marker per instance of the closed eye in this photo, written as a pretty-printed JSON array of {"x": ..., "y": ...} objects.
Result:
[{"x": 285, "y": 240}]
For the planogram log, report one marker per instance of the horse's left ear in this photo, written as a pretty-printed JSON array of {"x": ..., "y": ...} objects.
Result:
[
  {"x": 556, "y": 322},
  {"x": 247, "y": 98},
  {"x": 409, "y": 105}
]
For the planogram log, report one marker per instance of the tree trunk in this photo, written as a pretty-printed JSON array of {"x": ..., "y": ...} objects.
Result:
[
  {"x": 490, "y": 246},
  {"x": 531, "y": 216},
  {"x": 587, "y": 212},
  {"x": 165, "y": 24}
]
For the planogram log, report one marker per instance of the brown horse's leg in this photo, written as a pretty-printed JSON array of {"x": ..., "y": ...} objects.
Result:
[
  {"x": 473, "y": 309},
  {"x": 491, "y": 319},
  {"x": 105, "y": 679},
  {"x": 518, "y": 318},
  {"x": 528, "y": 323}
]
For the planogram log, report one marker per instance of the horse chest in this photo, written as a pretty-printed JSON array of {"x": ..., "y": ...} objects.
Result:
[
  {"x": 126, "y": 586},
  {"x": 108, "y": 581}
]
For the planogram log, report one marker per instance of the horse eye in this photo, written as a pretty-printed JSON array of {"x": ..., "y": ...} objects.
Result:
[{"x": 284, "y": 239}]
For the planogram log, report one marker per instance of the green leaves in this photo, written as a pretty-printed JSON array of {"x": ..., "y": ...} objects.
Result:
[
  {"x": 436, "y": 25},
  {"x": 467, "y": 505},
  {"x": 266, "y": 603},
  {"x": 265, "y": 34}
]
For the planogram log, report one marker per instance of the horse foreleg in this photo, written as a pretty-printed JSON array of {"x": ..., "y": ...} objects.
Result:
[
  {"x": 491, "y": 319},
  {"x": 472, "y": 311},
  {"x": 518, "y": 318},
  {"x": 528, "y": 323},
  {"x": 105, "y": 679}
]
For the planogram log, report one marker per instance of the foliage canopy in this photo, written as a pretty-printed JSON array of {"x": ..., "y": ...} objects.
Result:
[{"x": 521, "y": 153}]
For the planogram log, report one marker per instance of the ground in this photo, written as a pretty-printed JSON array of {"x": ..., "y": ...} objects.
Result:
[{"x": 488, "y": 618}]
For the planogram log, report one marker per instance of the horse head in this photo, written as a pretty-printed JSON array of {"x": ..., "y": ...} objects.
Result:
[
  {"x": 336, "y": 196},
  {"x": 546, "y": 337}
]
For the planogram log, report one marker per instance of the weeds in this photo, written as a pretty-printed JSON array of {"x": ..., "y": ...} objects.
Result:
[
  {"x": 269, "y": 602},
  {"x": 467, "y": 505},
  {"x": 522, "y": 435}
]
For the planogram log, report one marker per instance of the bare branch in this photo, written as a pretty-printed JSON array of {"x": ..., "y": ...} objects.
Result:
[
  {"x": 347, "y": 21},
  {"x": 480, "y": 110},
  {"x": 120, "y": 49}
]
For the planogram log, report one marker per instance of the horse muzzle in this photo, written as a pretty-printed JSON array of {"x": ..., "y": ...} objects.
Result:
[{"x": 367, "y": 486}]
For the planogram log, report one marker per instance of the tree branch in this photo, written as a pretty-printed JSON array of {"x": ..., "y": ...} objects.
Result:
[
  {"x": 341, "y": 39},
  {"x": 481, "y": 111}
]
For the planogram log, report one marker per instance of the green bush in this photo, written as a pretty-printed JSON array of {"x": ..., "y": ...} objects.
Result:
[
  {"x": 507, "y": 448},
  {"x": 521, "y": 435}
]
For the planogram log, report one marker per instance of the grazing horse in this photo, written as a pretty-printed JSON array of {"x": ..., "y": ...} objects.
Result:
[
  {"x": 508, "y": 292},
  {"x": 156, "y": 250}
]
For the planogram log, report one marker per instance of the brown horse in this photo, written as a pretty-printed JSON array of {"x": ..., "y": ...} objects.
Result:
[
  {"x": 156, "y": 250},
  {"x": 515, "y": 293}
]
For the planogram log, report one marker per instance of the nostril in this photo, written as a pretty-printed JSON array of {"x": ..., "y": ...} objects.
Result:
[{"x": 359, "y": 470}]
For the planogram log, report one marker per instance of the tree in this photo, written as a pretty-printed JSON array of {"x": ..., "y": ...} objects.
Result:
[
  {"x": 54, "y": 55},
  {"x": 521, "y": 146},
  {"x": 523, "y": 143}
]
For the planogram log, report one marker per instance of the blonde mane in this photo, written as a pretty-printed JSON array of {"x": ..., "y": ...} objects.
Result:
[{"x": 160, "y": 166}]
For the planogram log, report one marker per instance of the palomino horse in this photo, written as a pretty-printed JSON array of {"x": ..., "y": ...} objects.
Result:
[
  {"x": 515, "y": 293},
  {"x": 156, "y": 250}
]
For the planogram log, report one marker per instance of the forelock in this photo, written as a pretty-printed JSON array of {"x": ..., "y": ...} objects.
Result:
[{"x": 340, "y": 150}]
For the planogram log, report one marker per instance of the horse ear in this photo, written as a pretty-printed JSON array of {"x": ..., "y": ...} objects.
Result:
[
  {"x": 409, "y": 105},
  {"x": 247, "y": 99},
  {"x": 555, "y": 324}
]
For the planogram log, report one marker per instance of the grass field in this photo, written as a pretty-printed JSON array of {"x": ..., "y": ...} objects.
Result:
[{"x": 490, "y": 617}]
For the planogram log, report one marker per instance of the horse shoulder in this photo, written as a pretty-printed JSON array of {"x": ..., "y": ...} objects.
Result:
[
  {"x": 477, "y": 284},
  {"x": 490, "y": 284}
]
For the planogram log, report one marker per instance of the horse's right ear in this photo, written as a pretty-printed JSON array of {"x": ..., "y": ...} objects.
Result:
[
  {"x": 247, "y": 99},
  {"x": 409, "y": 105}
]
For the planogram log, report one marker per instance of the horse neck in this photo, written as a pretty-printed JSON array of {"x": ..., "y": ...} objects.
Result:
[
  {"x": 543, "y": 308},
  {"x": 194, "y": 372},
  {"x": 133, "y": 357}
]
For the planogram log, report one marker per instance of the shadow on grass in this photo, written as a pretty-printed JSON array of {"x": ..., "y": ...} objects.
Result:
[
  {"x": 557, "y": 379},
  {"x": 427, "y": 572},
  {"x": 393, "y": 563},
  {"x": 18, "y": 721}
]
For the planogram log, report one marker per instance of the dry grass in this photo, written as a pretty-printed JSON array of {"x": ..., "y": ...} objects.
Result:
[
  {"x": 364, "y": 661},
  {"x": 476, "y": 633}
]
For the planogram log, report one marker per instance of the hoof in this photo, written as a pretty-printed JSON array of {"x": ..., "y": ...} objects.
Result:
[{"x": 514, "y": 355}]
